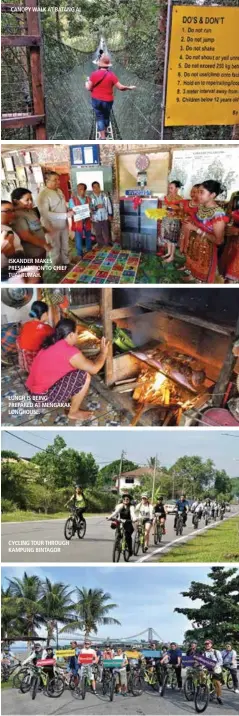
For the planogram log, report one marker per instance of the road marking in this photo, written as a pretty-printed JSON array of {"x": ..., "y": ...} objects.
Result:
[{"x": 184, "y": 538}]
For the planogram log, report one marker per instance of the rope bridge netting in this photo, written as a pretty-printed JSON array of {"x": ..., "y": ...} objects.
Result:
[{"x": 68, "y": 104}]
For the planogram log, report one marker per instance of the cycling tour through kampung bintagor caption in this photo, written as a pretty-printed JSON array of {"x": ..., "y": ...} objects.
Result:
[
  {"x": 135, "y": 521},
  {"x": 129, "y": 670}
]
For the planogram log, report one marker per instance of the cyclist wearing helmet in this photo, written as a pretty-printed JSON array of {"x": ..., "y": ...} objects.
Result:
[
  {"x": 37, "y": 652},
  {"x": 182, "y": 506},
  {"x": 159, "y": 511},
  {"x": 125, "y": 511},
  {"x": 144, "y": 512}
]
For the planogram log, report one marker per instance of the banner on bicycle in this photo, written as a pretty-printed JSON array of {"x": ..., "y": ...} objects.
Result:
[
  {"x": 188, "y": 661},
  {"x": 209, "y": 663},
  {"x": 46, "y": 662},
  {"x": 85, "y": 659},
  {"x": 65, "y": 653},
  {"x": 113, "y": 663}
]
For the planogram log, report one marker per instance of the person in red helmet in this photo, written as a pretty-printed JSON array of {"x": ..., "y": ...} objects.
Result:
[{"x": 101, "y": 84}]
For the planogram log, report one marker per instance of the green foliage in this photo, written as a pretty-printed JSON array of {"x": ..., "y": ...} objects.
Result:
[
  {"x": 8, "y": 505},
  {"x": 218, "y": 615},
  {"x": 61, "y": 466},
  {"x": 235, "y": 486},
  {"x": 9, "y": 454}
]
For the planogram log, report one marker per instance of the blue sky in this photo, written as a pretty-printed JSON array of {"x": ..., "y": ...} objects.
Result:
[
  {"x": 169, "y": 445},
  {"x": 145, "y": 595}
]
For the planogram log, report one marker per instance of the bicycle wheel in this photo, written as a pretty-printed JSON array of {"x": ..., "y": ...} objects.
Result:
[
  {"x": 81, "y": 529},
  {"x": 201, "y": 698},
  {"x": 136, "y": 544},
  {"x": 230, "y": 684},
  {"x": 16, "y": 682},
  {"x": 117, "y": 550},
  {"x": 189, "y": 688},
  {"x": 105, "y": 685},
  {"x": 83, "y": 687},
  {"x": 126, "y": 554},
  {"x": 164, "y": 684},
  {"x": 156, "y": 534},
  {"x": 34, "y": 686},
  {"x": 25, "y": 682},
  {"x": 5, "y": 673},
  {"x": 136, "y": 685},
  {"x": 112, "y": 688},
  {"x": 160, "y": 533},
  {"x": 178, "y": 528},
  {"x": 69, "y": 528},
  {"x": 55, "y": 687},
  {"x": 174, "y": 682}
]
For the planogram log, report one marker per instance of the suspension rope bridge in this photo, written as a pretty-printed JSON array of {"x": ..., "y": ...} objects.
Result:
[
  {"x": 69, "y": 114},
  {"x": 150, "y": 633}
]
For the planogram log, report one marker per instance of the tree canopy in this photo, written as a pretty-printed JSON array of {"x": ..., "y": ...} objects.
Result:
[{"x": 218, "y": 615}]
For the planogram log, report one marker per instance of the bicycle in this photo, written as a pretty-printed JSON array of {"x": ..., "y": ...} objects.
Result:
[
  {"x": 109, "y": 677},
  {"x": 135, "y": 681},
  {"x": 75, "y": 523},
  {"x": 54, "y": 687},
  {"x": 151, "y": 677},
  {"x": 139, "y": 539},
  {"x": 204, "y": 690},
  {"x": 195, "y": 520},
  {"x": 120, "y": 543},
  {"x": 179, "y": 525},
  {"x": 7, "y": 670},
  {"x": 190, "y": 684},
  {"x": 169, "y": 678},
  {"x": 207, "y": 517},
  {"x": 227, "y": 678},
  {"x": 158, "y": 530}
]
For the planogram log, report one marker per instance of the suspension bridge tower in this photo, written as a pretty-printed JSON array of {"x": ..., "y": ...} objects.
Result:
[{"x": 150, "y": 634}]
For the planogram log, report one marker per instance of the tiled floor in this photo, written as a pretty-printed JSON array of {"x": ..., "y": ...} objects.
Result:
[{"x": 15, "y": 398}]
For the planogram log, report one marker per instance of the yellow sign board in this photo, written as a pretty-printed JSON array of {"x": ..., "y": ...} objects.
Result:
[
  {"x": 65, "y": 653},
  {"x": 203, "y": 68},
  {"x": 132, "y": 654}
]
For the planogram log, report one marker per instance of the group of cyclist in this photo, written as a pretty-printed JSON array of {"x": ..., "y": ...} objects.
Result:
[
  {"x": 131, "y": 511},
  {"x": 90, "y": 661}
]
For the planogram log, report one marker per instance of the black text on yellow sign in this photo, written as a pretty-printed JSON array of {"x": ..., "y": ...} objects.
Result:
[{"x": 203, "y": 69}]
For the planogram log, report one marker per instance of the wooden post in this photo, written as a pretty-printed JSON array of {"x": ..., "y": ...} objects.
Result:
[
  {"x": 106, "y": 308},
  {"x": 33, "y": 26},
  {"x": 225, "y": 373}
]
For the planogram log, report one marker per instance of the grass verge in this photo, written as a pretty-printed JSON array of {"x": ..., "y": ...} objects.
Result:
[
  {"x": 21, "y": 516},
  {"x": 218, "y": 544}
]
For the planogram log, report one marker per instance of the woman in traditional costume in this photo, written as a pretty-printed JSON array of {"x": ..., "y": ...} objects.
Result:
[
  {"x": 171, "y": 224},
  {"x": 204, "y": 233},
  {"x": 230, "y": 258},
  {"x": 190, "y": 207}
]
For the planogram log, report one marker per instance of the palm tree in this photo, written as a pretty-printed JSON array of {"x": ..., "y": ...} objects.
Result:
[
  {"x": 57, "y": 606},
  {"x": 12, "y": 621},
  {"x": 91, "y": 609},
  {"x": 26, "y": 594}
]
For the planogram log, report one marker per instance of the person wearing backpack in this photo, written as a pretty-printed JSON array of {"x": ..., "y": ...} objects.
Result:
[
  {"x": 215, "y": 656},
  {"x": 101, "y": 84}
]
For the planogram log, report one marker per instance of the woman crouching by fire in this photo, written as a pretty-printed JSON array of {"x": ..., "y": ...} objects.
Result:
[{"x": 60, "y": 372}]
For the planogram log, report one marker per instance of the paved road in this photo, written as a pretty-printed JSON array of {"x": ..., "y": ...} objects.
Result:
[
  {"x": 174, "y": 704},
  {"x": 43, "y": 540}
]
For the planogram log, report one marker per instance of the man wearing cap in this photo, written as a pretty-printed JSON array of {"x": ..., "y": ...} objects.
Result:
[{"x": 101, "y": 84}]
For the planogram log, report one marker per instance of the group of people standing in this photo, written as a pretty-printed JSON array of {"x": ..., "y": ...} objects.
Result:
[
  {"x": 197, "y": 227},
  {"x": 31, "y": 233}
]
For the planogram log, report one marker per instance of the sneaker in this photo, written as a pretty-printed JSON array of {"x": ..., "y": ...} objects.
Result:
[{"x": 219, "y": 701}]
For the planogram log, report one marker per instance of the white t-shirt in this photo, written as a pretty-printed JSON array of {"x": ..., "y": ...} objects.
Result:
[
  {"x": 92, "y": 652},
  {"x": 215, "y": 655},
  {"x": 17, "y": 246},
  {"x": 144, "y": 511}
]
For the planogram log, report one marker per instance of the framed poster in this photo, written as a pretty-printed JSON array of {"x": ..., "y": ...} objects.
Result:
[
  {"x": 9, "y": 164},
  {"x": 21, "y": 176},
  {"x": 85, "y": 154}
]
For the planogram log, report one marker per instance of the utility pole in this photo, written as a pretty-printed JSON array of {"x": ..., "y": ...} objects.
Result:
[
  {"x": 120, "y": 468},
  {"x": 173, "y": 489},
  {"x": 154, "y": 475}
]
